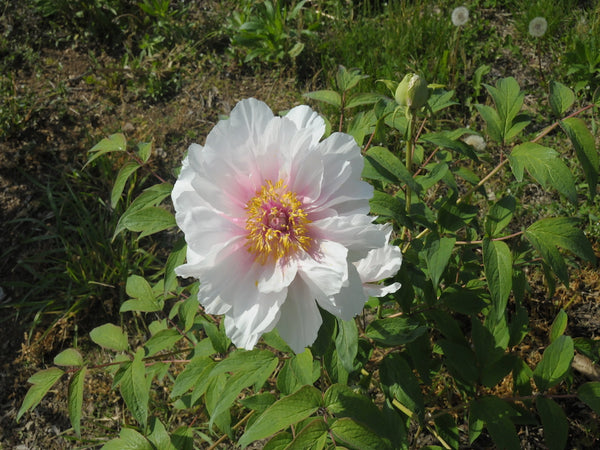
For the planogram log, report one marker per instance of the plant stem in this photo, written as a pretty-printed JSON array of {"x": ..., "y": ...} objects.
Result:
[
  {"x": 503, "y": 238},
  {"x": 483, "y": 180}
]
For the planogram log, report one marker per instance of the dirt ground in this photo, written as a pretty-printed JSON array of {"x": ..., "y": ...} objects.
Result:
[{"x": 55, "y": 136}]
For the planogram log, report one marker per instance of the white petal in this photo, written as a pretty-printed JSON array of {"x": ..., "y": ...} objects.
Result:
[
  {"x": 305, "y": 118},
  {"x": 206, "y": 231},
  {"x": 380, "y": 290},
  {"x": 245, "y": 125},
  {"x": 244, "y": 326},
  {"x": 349, "y": 301},
  {"x": 325, "y": 269},
  {"x": 277, "y": 275},
  {"x": 342, "y": 188},
  {"x": 380, "y": 263},
  {"x": 300, "y": 318},
  {"x": 355, "y": 232}
]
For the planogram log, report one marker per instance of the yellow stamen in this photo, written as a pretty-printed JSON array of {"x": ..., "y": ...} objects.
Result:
[{"x": 276, "y": 223}]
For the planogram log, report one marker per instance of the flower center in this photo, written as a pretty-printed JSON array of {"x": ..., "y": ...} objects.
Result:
[{"x": 276, "y": 223}]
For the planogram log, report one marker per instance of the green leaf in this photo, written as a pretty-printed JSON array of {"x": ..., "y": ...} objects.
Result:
[
  {"x": 356, "y": 435},
  {"x": 492, "y": 120},
  {"x": 128, "y": 439},
  {"x": 175, "y": 259},
  {"x": 561, "y": 98},
  {"x": 69, "y": 357},
  {"x": 437, "y": 253},
  {"x": 42, "y": 382},
  {"x": 113, "y": 143},
  {"x": 555, "y": 363},
  {"x": 183, "y": 438},
  {"x": 589, "y": 393},
  {"x": 273, "y": 339},
  {"x": 508, "y": 99},
  {"x": 162, "y": 340},
  {"x": 496, "y": 414},
  {"x": 547, "y": 234},
  {"x": 585, "y": 149},
  {"x": 279, "y": 442},
  {"x": 148, "y": 221},
  {"x": 395, "y": 331},
  {"x": 284, "y": 412},
  {"x": 124, "y": 173},
  {"x": 499, "y": 215},
  {"x": 159, "y": 436},
  {"x": 188, "y": 311},
  {"x": 554, "y": 420},
  {"x": 326, "y": 96},
  {"x": 385, "y": 205},
  {"x": 239, "y": 381},
  {"x": 76, "y": 399},
  {"x": 461, "y": 360},
  {"x": 443, "y": 139},
  {"x": 110, "y": 336},
  {"x": 145, "y": 301},
  {"x": 447, "y": 430},
  {"x": 312, "y": 437},
  {"x": 363, "y": 98},
  {"x": 346, "y": 343},
  {"x": 296, "y": 372},
  {"x": 497, "y": 263},
  {"x": 348, "y": 78},
  {"x": 217, "y": 336},
  {"x": 440, "y": 99},
  {"x": 559, "y": 325},
  {"x": 151, "y": 196},
  {"x": 522, "y": 374},
  {"x": 383, "y": 165},
  {"x": 194, "y": 375},
  {"x": 545, "y": 166},
  {"x": 144, "y": 150},
  {"x": 134, "y": 389},
  {"x": 259, "y": 402},
  {"x": 341, "y": 401},
  {"x": 400, "y": 383}
]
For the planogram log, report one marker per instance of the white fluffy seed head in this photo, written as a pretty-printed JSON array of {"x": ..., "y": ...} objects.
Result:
[
  {"x": 460, "y": 16},
  {"x": 538, "y": 27}
]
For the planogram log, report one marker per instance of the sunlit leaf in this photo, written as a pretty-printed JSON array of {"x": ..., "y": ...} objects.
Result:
[
  {"x": 284, "y": 412},
  {"x": 110, "y": 336},
  {"x": 75, "y": 402},
  {"x": 42, "y": 382},
  {"x": 555, "y": 363}
]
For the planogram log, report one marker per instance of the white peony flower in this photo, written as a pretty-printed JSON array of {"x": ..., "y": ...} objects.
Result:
[
  {"x": 276, "y": 222},
  {"x": 538, "y": 27},
  {"x": 460, "y": 16}
]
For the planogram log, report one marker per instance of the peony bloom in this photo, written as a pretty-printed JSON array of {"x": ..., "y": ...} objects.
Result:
[
  {"x": 538, "y": 27},
  {"x": 460, "y": 16},
  {"x": 276, "y": 222}
]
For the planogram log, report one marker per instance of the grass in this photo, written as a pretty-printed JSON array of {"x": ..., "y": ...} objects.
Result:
[{"x": 167, "y": 70}]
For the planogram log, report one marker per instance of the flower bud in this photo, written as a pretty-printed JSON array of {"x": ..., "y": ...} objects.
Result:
[{"x": 412, "y": 92}]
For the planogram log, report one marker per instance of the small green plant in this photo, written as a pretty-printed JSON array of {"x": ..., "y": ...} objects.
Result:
[
  {"x": 583, "y": 64},
  {"x": 269, "y": 31}
]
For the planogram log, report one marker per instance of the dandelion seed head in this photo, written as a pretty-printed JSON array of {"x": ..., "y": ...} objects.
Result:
[
  {"x": 538, "y": 27},
  {"x": 460, "y": 16}
]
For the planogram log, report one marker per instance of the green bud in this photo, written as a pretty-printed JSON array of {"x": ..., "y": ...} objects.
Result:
[{"x": 412, "y": 92}]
